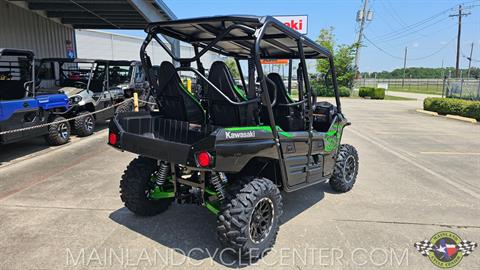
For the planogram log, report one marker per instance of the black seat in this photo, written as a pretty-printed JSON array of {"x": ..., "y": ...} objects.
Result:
[
  {"x": 289, "y": 118},
  {"x": 176, "y": 102},
  {"x": 221, "y": 111}
]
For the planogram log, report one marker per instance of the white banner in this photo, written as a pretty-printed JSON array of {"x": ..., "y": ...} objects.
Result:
[{"x": 297, "y": 22}]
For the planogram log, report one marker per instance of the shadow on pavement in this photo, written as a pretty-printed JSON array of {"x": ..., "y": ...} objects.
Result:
[
  {"x": 191, "y": 230},
  {"x": 16, "y": 150}
]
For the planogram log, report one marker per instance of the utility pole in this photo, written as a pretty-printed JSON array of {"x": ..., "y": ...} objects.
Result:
[
  {"x": 362, "y": 17},
  {"x": 404, "y": 66},
  {"x": 470, "y": 61},
  {"x": 459, "y": 15}
]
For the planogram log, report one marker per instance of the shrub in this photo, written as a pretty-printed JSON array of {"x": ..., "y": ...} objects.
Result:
[
  {"x": 344, "y": 91},
  {"x": 377, "y": 93},
  {"x": 365, "y": 91},
  {"x": 467, "y": 108},
  {"x": 372, "y": 92}
]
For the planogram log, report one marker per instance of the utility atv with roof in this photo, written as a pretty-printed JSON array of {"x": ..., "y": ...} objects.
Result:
[
  {"x": 22, "y": 108},
  {"x": 91, "y": 85},
  {"x": 230, "y": 148}
]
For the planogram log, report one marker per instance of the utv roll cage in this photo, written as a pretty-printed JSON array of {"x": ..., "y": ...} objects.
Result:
[
  {"x": 62, "y": 79},
  {"x": 243, "y": 38},
  {"x": 30, "y": 57}
]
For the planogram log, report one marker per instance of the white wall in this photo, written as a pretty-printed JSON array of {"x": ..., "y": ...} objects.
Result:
[{"x": 94, "y": 44}]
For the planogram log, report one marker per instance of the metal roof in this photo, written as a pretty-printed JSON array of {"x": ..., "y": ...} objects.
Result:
[
  {"x": 278, "y": 41},
  {"x": 68, "y": 60},
  {"x": 102, "y": 14}
]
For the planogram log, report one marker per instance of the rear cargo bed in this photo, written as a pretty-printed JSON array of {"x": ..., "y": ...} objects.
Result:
[{"x": 156, "y": 137}]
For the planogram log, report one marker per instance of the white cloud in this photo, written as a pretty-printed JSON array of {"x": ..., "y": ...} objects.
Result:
[{"x": 415, "y": 45}]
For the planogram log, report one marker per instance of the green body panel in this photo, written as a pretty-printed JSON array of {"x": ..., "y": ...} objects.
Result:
[{"x": 333, "y": 136}]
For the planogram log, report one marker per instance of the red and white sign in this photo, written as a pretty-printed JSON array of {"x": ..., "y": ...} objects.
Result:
[{"x": 297, "y": 23}]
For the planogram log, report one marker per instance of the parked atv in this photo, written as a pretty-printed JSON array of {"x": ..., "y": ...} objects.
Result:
[
  {"x": 22, "y": 108},
  {"x": 91, "y": 86},
  {"x": 233, "y": 150}
]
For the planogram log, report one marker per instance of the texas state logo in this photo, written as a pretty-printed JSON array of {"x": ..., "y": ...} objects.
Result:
[{"x": 445, "y": 249}]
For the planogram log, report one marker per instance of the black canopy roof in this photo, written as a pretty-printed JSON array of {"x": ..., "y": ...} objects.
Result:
[
  {"x": 279, "y": 41},
  {"x": 16, "y": 52}
]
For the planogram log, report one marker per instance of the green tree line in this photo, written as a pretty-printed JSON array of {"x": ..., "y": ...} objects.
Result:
[{"x": 421, "y": 73}]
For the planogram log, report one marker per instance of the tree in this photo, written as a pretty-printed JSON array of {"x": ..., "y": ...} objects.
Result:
[
  {"x": 232, "y": 66},
  {"x": 343, "y": 56}
]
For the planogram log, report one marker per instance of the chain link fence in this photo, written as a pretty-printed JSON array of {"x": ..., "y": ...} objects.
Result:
[{"x": 448, "y": 87}]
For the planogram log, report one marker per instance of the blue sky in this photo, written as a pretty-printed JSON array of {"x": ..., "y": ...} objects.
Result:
[{"x": 422, "y": 25}]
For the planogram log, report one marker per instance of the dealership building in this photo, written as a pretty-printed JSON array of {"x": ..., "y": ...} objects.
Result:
[
  {"x": 97, "y": 44},
  {"x": 55, "y": 28}
]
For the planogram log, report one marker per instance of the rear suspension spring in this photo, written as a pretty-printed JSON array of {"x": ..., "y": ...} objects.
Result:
[
  {"x": 218, "y": 180},
  {"x": 162, "y": 173}
]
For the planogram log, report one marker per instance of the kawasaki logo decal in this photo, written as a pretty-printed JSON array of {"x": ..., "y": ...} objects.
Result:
[
  {"x": 239, "y": 135},
  {"x": 261, "y": 128}
]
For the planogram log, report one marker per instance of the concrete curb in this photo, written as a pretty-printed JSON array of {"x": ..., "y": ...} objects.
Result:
[
  {"x": 450, "y": 116},
  {"x": 427, "y": 112},
  {"x": 461, "y": 118}
]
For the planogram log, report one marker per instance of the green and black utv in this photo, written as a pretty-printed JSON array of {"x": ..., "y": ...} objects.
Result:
[{"x": 229, "y": 147}]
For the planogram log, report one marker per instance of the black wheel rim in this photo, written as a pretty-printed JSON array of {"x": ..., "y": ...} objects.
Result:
[
  {"x": 350, "y": 168},
  {"x": 261, "y": 220},
  {"x": 89, "y": 123},
  {"x": 63, "y": 130}
]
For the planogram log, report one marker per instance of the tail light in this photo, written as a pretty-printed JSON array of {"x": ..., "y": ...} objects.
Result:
[
  {"x": 112, "y": 138},
  {"x": 204, "y": 159}
]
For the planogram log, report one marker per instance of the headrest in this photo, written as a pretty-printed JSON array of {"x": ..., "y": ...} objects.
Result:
[{"x": 222, "y": 78}]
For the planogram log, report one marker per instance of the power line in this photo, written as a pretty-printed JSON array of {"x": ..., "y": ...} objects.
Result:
[
  {"x": 410, "y": 59},
  {"x": 412, "y": 26},
  {"x": 405, "y": 31},
  {"x": 410, "y": 33}
]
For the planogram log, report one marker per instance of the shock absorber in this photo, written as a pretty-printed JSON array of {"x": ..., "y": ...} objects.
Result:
[
  {"x": 218, "y": 180},
  {"x": 162, "y": 173}
]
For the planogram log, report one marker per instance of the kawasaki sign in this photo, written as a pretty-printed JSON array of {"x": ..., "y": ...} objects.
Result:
[{"x": 296, "y": 22}]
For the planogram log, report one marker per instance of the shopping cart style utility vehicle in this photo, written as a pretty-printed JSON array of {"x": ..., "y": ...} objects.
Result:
[
  {"x": 233, "y": 148},
  {"x": 25, "y": 113}
]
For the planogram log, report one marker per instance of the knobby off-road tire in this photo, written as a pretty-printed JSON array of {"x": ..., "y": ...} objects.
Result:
[
  {"x": 236, "y": 223},
  {"x": 136, "y": 183},
  {"x": 85, "y": 125},
  {"x": 59, "y": 133},
  {"x": 346, "y": 169},
  {"x": 126, "y": 106}
]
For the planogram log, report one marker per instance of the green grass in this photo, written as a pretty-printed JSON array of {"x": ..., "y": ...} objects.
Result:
[{"x": 420, "y": 89}]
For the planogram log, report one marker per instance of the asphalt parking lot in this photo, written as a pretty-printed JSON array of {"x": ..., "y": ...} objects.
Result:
[{"x": 60, "y": 207}]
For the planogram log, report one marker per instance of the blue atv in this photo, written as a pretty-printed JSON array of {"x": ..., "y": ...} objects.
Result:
[{"x": 21, "y": 109}]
